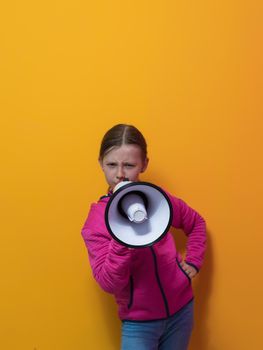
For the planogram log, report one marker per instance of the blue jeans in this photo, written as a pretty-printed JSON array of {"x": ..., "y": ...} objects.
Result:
[{"x": 172, "y": 333}]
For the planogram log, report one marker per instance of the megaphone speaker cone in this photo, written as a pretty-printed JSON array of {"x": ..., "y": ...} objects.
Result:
[{"x": 138, "y": 214}]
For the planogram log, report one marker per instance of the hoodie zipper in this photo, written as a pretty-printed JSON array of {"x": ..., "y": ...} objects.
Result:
[
  {"x": 131, "y": 293},
  {"x": 159, "y": 282}
]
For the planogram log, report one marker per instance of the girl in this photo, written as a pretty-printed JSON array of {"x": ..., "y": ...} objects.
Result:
[{"x": 151, "y": 285}]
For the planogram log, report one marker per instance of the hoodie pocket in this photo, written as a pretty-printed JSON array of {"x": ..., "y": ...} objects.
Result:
[
  {"x": 131, "y": 293},
  {"x": 180, "y": 267}
]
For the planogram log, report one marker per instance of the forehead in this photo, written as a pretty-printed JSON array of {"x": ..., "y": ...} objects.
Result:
[{"x": 124, "y": 153}]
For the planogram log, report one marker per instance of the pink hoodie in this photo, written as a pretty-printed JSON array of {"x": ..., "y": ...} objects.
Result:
[{"x": 148, "y": 283}]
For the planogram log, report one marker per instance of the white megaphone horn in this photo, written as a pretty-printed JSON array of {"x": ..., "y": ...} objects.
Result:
[{"x": 138, "y": 214}]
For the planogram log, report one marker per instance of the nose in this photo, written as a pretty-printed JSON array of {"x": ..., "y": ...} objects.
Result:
[{"x": 120, "y": 173}]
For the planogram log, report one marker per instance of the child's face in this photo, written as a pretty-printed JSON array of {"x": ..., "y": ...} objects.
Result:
[{"x": 123, "y": 162}]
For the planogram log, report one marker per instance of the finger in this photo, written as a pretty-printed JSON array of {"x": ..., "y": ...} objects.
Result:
[
  {"x": 193, "y": 273},
  {"x": 188, "y": 269},
  {"x": 183, "y": 265}
]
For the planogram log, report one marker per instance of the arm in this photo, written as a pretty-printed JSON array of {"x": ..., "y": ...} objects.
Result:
[
  {"x": 109, "y": 260},
  {"x": 194, "y": 226}
]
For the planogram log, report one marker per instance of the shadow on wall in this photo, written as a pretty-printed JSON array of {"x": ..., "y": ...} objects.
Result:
[{"x": 202, "y": 291}]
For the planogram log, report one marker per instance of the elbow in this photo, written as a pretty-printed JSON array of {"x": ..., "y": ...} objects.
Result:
[
  {"x": 201, "y": 224},
  {"x": 109, "y": 285}
]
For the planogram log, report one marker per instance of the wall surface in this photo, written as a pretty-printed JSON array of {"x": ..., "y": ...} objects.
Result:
[{"x": 189, "y": 75}]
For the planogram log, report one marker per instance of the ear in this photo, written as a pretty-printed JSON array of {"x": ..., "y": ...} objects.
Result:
[{"x": 145, "y": 164}]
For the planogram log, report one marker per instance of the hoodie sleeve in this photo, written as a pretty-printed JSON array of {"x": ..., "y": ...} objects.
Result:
[
  {"x": 194, "y": 226},
  {"x": 109, "y": 260}
]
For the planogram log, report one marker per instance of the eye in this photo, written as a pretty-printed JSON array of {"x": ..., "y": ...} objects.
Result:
[
  {"x": 129, "y": 165},
  {"x": 111, "y": 165}
]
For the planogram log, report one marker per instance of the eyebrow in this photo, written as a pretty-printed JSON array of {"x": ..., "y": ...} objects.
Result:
[{"x": 113, "y": 162}]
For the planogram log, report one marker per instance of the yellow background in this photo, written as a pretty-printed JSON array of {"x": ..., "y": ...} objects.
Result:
[{"x": 189, "y": 75}]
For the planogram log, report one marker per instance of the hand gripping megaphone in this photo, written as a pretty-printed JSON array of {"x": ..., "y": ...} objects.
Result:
[{"x": 138, "y": 214}]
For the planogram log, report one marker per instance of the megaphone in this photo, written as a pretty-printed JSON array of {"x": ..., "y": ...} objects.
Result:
[{"x": 138, "y": 214}]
